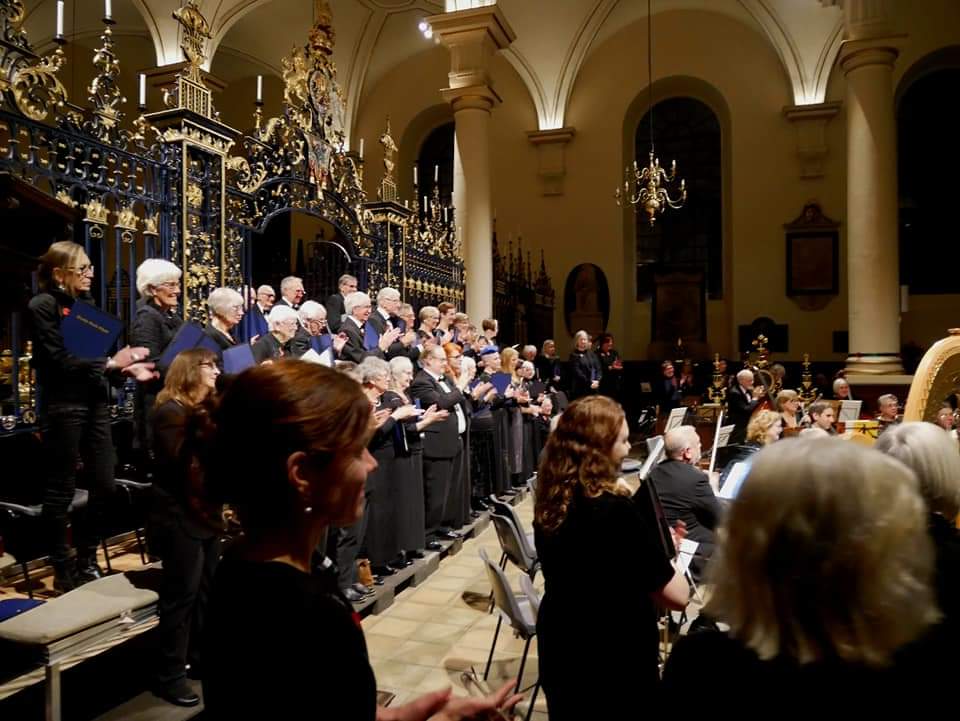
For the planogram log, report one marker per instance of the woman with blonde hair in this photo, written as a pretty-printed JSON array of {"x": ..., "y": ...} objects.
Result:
[
  {"x": 823, "y": 576},
  {"x": 788, "y": 406},
  {"x": 589, "y": 531},
  {"x": 764, "y": 428}
]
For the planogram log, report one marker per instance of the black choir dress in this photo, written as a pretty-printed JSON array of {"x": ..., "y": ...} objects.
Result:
[
  {"x": 405, "y": 492},
  {"x": 584, "y": 370},
  {"x": 602, "y": 541},
  {"x": 381, "y": 526}
]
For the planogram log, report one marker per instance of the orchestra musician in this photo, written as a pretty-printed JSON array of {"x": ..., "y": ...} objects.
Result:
[
  {"x": 742, "y": 400},
  {"x": 788, "y": 405},
  {"x": 821, "y": 415},
  {"x": 888, "y": 407}
]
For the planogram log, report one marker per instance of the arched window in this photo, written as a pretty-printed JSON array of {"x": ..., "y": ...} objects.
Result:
[
  {"x": 928, "y": 154},
  {"x": 436, "y": 155},
  {"x": 689, "y": 239}
]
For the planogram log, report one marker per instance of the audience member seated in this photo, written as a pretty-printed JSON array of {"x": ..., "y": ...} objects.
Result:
[
  {"x": 589, "y": 534},
  {"x": 274, "y": 345},
  {"x": 295, "y": 645},
  {"x": 820, "y": 414},
  {"x": 183, "y": 530},
  {"x": 932, "y": 455},
  {"x": 685, "y": 492},
  {"x": 822, "y": 575}
]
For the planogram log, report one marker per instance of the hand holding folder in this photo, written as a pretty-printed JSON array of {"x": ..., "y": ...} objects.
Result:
[{"x": 88, "y": 332}]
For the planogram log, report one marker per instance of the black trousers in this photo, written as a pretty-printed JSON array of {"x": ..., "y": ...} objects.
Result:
[
  {"x": 439, "y": 475},
  {"x": 72, "y": 433},
  {"x": 189, "y": 562},
  {"x": 456, "y": 507},
  {"x": 349, "y": 542}
]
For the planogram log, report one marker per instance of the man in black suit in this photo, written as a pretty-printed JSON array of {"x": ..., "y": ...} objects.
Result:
[
  {"x": 385, "y": 317},
  {"x": 335, "y": 303},
  {"x": 742, "y": 400},
  {"x": 685, "y": 492},
  {"x": 442, "y": 442},
  {"x": 358, "y": 308},
  {"x": 254, "y": 322},
  {"x": 291, "y": 291}
]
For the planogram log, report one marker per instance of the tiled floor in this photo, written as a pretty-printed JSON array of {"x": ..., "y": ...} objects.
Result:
[{"x": 437, "y": 630}]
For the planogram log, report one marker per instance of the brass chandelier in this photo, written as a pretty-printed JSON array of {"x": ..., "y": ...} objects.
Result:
[{"x": 646, "y": 187}]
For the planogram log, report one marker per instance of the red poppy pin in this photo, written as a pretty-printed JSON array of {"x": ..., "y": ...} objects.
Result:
[{"x": 66, "y": 312}]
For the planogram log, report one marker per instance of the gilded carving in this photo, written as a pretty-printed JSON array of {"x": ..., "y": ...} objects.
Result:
[
  {"x": 37, "y": 90},
  {"x": 97, "y": 212}
]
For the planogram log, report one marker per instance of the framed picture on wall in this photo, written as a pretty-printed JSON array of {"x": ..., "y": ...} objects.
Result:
[{"x": 813, "y": 254}]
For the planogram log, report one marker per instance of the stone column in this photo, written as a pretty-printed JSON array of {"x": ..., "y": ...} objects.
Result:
[
  {"x": 873, "y": 286},
  {"x": 473, "y": 36}
]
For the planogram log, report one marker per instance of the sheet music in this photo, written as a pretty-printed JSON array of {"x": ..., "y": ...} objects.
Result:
[
  {"x": 849, "y": 411},
  {"x": 676, "y": 418},
  {"x": 325, "y": 358},
  {"x": 723, "y": 438},
  {"x": 685, "y": 555},
  {"x": 734, "y": 480}
]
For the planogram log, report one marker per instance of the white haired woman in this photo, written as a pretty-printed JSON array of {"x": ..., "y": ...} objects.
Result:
[
  {"x": 283, "y": 323},
  {"x": 931, "y": 453},
  {"x": 404, "y": 493},
  {"x": 823, "y": 574},
  {"x": 154, "y": 326},
  {"x": 226, "y": 309}
]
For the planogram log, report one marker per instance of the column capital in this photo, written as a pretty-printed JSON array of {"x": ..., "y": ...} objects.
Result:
[
  {"x": 472, "y": 37},
  {"x": 872, "y": 51},
  {"x": 811, "y": 124},
  {"x": 471, "y": 97},
  {"x": 551, "y": 148}
]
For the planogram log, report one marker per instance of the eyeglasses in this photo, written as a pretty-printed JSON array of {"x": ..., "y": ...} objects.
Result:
[
  {"x": 170, "y": 285},
  {"x": 83, "y": 269},
  {"x": 236, "y": 308},
  {"x": 208, "y": 364}
]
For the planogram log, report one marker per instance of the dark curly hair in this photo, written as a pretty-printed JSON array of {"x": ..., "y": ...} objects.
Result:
[{"x": 578, "y": 456}]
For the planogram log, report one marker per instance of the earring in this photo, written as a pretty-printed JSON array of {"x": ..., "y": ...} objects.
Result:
[{"x": 308, "y": 509}]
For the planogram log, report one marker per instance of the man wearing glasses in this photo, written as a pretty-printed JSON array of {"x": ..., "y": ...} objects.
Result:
[
  {"x": 254, "y": 324},
  {"x": 312, "y": 332}
]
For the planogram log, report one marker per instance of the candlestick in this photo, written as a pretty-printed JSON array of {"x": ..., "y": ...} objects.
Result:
[
  {"x": 436, "y": 173},
  {"x": 59, "y": 35},
  {"x": 259, "y": 89},
  {"x": 108, "y": 9},
  {"x": 361, "y": 148},
  {"x": 143, "y": 91}
]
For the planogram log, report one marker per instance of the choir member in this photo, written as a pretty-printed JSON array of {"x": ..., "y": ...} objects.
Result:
[
  {"x": 311, "y": 330},
  {"x": 226, "y": 309},
  {"x": 73, "y": 411},
  {"x": 291, "y": 292},
  {"x": 274, "y": 345},
  {"x": 585, "y": 370},
  {"x": 346, "y": 285},
  {"x": 358, "y": 308},
  {"x": 254, "y": 321},
  {"x": 183, "y": 528}
]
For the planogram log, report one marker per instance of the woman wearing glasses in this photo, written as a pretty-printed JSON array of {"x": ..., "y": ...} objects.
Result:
[
  {"x": 74, "y": 416},
  {"x": 226, "y": 310},
  {"x": 153, "y": 327},
  {"x": 183, "y": 529}
]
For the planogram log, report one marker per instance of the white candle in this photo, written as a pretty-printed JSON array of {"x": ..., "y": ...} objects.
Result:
[
  {"x": 424, "y": 203},
  {"x": 444, "y": 214},
  {"x": 259, "y": 88},
  {"x": 436, "y": 173},
  {"x": 143, "y": 90},
  {"x": 361, "y": 148},
  {"x": 415, "y": 175},
  {"x": 59, "y": 18},
  {"x": 108, "y": 9}
]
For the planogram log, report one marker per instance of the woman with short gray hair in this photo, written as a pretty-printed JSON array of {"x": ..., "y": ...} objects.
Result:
[{"x": 226, "y": 310}]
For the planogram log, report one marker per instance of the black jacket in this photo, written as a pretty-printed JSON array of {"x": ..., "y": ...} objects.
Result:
[
  {"x": 62, "y": 376},
  {"x": 440, "y": 439},
  {"x": 301, "y": 342},
  {"x": 334, "y": 306},
  {"x": 153, "y": 329},
  {"x": 685, "y": 495},
  {"x": 584, "y": 369},
  {"x": 739, "y": 409},
  {"x": 354, "y": 349},
  {"x": 225, "y": 342},
  {"x": 268, "y": 347}
]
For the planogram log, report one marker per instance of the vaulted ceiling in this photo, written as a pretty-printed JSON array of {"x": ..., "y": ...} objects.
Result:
[{"x": 554, "y": 37}]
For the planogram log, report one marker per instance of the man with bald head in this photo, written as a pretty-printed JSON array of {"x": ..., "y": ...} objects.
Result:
[
  {"x": 742, "y": 400},
  {"x": 685, "y": 492}
]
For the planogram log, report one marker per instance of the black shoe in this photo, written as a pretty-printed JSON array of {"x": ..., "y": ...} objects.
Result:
[
  {"x": 475, "y": 515},
  {"x": 398, "y": 564},
  {"x": 64, "y": 577},
  {"x": 417, "y": 555},
  {"x": 360, "y": 588},
  {"x": 87, "y": 571},
  {"x": 434, "y": 546},
  {"x": 378, "y": 580},
  {"x": 383, "y": 570},
  {"x": 353, "y": 596},
  {"x": 478, "y": 504},
  {"x": 178, "y": 693},
  {"x": 449, "y": 535}
]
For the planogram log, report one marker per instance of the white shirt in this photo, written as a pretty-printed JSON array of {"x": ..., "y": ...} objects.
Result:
[
  {"x": 359, "y": 323},
  {"x": 386, "y": 318},
  {"x": 461, "y": 419}
]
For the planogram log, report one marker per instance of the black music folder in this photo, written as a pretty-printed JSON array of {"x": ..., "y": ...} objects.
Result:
[{"x": 88, "y": 332}]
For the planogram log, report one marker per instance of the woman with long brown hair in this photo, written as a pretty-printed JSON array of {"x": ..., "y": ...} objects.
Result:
[
  {"x": 297, "y": 646},
  {"x": 589, "y": 534},
  {"x": 183, "y": 530},
  {"x": 74, "y": 417}
]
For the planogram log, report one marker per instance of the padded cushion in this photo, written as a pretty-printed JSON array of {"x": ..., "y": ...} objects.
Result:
[{"x": 89, "y": 605}]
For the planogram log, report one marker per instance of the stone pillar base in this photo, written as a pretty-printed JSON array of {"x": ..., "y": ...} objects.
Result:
[{"x": 874, "y": 364}]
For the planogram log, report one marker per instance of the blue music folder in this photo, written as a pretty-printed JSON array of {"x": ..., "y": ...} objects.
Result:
[
  {"x": 88, "y": 332},
  {"x": 189, "y": 335},
  {"x": 238, "y": 359},
  {"x": 501, "y": 381},
  {"x": 371, "y": 339}
]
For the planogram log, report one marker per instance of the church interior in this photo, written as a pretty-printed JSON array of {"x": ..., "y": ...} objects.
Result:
[{"x": 518, "y": 225}]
